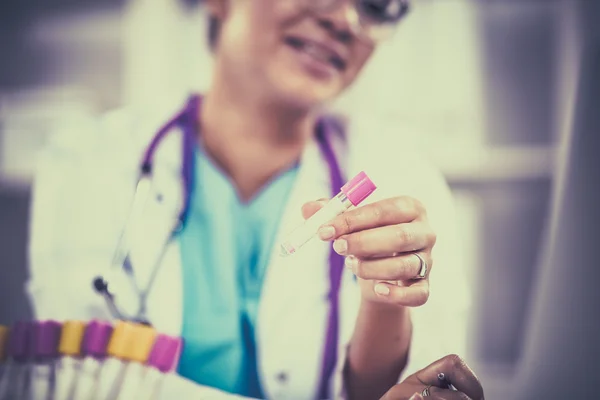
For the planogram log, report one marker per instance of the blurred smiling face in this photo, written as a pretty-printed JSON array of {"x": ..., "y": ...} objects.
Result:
[{"x": 304, "y": 52}]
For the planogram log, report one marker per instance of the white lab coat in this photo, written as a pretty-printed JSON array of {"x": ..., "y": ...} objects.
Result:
[{"x": 82, "y": 192}]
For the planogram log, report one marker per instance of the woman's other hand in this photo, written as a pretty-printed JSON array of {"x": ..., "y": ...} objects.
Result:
[
  {"x": 388, "y": 245},
  {"x": 432, "y": 382}
]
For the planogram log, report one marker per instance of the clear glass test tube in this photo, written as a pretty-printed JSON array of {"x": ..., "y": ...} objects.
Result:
[
  {"x": 163, "y": 361},
  {"x": 45, "y": 336},
  {"x": 351, "y": 194},
  {"x": 67, "y": 367},
  {"x": 128, "y": 349},
  {"x": 94, "y": 349},
  {"x": 137, "y": 355},
  {"x": 16, "y": 373}
]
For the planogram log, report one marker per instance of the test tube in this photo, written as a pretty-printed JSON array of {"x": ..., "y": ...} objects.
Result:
[
  {"x": 137, "y": 356},
  {"x": 122, "y": 349},
  {"x": 69, "y": 364},
  {"x": 351, "y": 194},
  {"x": 163, "y": 360},
  {"x": 14, "y": 379},
  {"x": 93, "y": 348},
  {"x": 3, "y": 343},
  {"x": 45, "y": 336}
]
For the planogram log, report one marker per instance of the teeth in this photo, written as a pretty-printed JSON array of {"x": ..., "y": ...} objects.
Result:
[{"x": 317, "y": 53}]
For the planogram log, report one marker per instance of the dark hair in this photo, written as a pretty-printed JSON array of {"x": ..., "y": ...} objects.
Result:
[{"x": 214, "y": 25}]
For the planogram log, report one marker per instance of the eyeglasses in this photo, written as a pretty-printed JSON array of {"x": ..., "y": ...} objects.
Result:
[{"x": 374, "y": 19}]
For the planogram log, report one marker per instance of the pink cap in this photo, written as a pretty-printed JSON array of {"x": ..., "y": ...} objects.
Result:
[
  {"x": 95, "y": 339},
  {"x": 358, "y": 188},
  {"x": 165, "y": 353}
]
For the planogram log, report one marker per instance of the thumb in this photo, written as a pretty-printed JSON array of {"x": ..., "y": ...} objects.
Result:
[
  {"x": 308, "y": 209},
  {"x": 416, "y": 396}
]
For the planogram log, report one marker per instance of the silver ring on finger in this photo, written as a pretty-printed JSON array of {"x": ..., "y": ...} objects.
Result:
[
  {"x": 426, "y": 392},
  {"x": 423, "y": 267}
]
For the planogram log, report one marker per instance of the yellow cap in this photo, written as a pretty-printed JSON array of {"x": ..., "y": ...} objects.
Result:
[
  {"x": 141, "y": 346},
  {"x": 3, "y": 341},
  {"x": 71, "y": 337},
  {"x": 131, "y": 342},
  {"x": 119, "y": 341}
]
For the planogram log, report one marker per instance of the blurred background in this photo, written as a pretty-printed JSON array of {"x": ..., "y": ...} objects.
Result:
[{"x": 485, "y": 86}]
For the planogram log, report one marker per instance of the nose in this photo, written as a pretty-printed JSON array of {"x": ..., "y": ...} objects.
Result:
[{"x": 340, "y": 21}]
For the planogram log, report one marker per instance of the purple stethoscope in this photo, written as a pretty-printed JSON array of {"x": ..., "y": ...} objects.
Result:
[{"x": 187, "y": 121}]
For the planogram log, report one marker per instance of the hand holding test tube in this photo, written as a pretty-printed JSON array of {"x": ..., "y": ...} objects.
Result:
[{"x": 351, "y": 194}]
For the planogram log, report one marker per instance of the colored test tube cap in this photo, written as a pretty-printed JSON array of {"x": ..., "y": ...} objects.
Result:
[
  {"x": 131, "y": 341},
  {"x": 45, "y": 338},
  {"x": 120, "y": 339},
  {"x": 358, "y": 188},
  {"x": 71, "y": 337},
  {"x": 96, "y": 338},
  {"x": 165, "y": 353},
  {"x": 141, "y": 343},
  {"x": 3, "y": 341},
  {"x": 18, "y": 341}
]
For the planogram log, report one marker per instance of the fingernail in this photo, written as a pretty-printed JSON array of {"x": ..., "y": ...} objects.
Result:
[
  {"x": 382, "y": 289},
  {"x": 340, "y": 246},
  {"x": 326, "y": 232},
  {"x": 351, "y": 262},
  {"x": 416, "y": 396}
]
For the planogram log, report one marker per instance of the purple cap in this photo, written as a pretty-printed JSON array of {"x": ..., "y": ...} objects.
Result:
[
  {"x": 165, "y": 353},
  {"x": 95, "y": 339},
  {"x": 45, "y": 336},
  {"x": 18, "y": 341},
  {"x": 358, "y": 188}
]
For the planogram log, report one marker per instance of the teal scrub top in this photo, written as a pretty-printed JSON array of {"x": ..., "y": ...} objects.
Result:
[{"x": 225, "y": 248}]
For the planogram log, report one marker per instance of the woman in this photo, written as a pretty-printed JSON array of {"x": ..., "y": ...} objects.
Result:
[{"x": 254, "y": 323}]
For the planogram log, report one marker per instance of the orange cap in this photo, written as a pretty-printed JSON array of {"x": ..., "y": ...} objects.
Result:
[
  {"x": 3, "y": 341},
  {"x": 131, "y": 342},
  {"x": 71, "y": 336}
]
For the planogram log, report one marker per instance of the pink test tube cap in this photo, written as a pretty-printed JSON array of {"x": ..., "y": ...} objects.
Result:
[
  {"x": 95, "y": 339},
  {"x": 165, "y": 353},
  {"x": 358, "y": 188}
]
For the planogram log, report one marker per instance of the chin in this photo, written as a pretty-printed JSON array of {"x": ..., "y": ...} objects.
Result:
[{"x": 305, "y": 93}]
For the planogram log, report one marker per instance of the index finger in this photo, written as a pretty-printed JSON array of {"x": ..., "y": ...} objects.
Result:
[
  {"x": 457, "y": 372},
  {"x": 392, "y": 211}
]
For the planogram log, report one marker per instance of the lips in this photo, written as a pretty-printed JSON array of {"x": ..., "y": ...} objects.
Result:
[{"x": 319, "y": 51}]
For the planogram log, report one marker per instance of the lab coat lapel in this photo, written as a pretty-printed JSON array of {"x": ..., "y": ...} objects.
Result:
[{"x": 295, "y": 291}]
